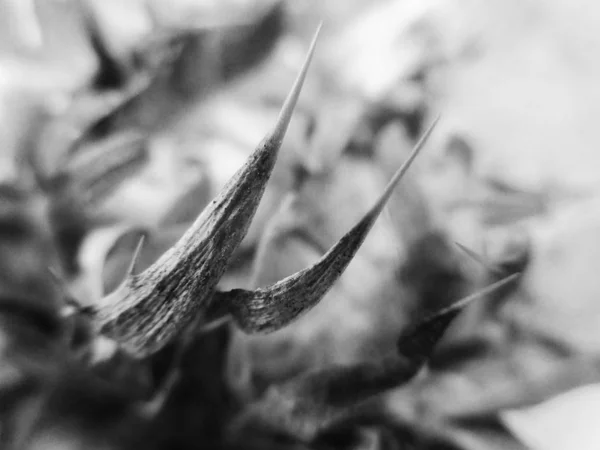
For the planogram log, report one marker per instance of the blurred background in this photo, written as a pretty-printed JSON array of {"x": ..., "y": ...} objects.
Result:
[{"x": 148, "y": 107}]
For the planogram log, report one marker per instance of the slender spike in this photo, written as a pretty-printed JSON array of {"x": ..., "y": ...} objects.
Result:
[
  {"x": 316, "y": 401},
  {"x": 400, "y": 173},
  {"x": 166, "y": 297},
  {"x": 125, "y": 285},
  {"x": 479, "y": 259},
  {"x": 268, "y": 309},
  {"x": 287, "y": 110},
  {"x": 418, "y": 342},
  {"x": 89, "y": 285},
  {"x": 136, "y": 256}
]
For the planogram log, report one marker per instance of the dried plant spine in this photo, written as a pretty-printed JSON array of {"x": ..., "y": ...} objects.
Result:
[
  {"x": 150, "y": 308},
  {"x": 321, "y": 399}
]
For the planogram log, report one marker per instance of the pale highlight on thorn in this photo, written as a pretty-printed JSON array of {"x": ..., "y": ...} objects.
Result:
[
  {"x": 481, "y": 293},
  {"x": 135, "y": 258}
]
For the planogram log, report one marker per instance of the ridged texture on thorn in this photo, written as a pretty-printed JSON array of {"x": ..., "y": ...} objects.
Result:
[
  {"x": 268, "y": 309},
  {"x": 155, "y": 305},
  {"x": 313, "y": 403}
]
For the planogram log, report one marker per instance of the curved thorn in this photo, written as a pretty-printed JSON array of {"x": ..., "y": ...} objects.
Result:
[
  {"x": 400, "y": 173},
  {"x": 268, "y": 309},
  {"x": 167, "y": 296},
  {"x": 417, "y": 343}
]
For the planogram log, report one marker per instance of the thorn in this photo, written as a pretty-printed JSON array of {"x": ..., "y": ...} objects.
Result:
[
  {"x": 135, "y": 257},
  {"x": 402, "y": 170},
  {"x": 481, "y": 293},
  {"x": 290, "y": 102},
  {"x": 418, "y": 342},
  {"x": 479, "y": 259},
  {"x": 138, "y": 317},
  {"x": 268, "y": 309}
]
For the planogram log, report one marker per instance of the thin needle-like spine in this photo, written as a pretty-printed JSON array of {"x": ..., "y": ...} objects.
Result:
[{"x": 153, "y": 306}]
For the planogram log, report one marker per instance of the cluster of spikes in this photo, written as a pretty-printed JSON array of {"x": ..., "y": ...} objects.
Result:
[
  {"x": 149, "y": 309},
  {"x": 153, "y": 308}
]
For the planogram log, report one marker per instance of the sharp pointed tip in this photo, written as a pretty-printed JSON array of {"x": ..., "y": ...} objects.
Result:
[
  {"x": 470, "y": 253},
  {"x": 479, "y": 259},
  {"x": 318, "y": 30},
  {"x": 423, "y": 139},
  {"x": 132, "y": 269},
  {"x": 269, "y": 311},
  {"x": 290, "y": 102},
  {"x": 483, "y": 292},
  {"x": 419, "y": 342},
  {"x": 405, "y": 166}
]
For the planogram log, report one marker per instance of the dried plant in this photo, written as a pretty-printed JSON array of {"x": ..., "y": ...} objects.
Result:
[{"x": 106, "y": 343}]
